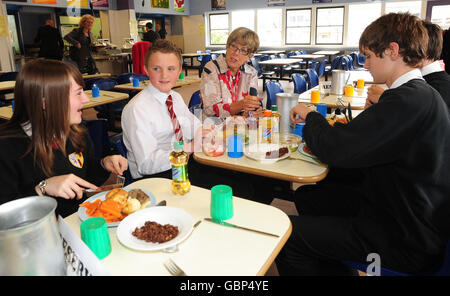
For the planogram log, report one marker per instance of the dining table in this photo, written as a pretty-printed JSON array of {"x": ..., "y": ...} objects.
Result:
[
  {"x": 210, "y": 249},
  {"x": 7, "y": 85},
  {"x": 280, "y": 63},
  {"x": 276, "y": 51},
  {"x": 328, "y": 53},
  {"x": 96, "y": 75},
  {"x": 307, "y": 58},
  {"x": 105, "y": 97},
  {"x": 188, "y": 80}
]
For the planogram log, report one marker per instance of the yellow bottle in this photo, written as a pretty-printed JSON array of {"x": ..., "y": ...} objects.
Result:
[
  {"x": 179, "y": 160},
  {"x": 276, "y": 118},
  {"x": 265, "y": 127}
]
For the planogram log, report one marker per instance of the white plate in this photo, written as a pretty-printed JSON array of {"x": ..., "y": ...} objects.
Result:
[
  {"x": 102, "y": 196},
  {"x": 300, "y": 149},
  {"x": 258, "y": 152},
  {"x": 161, "y": 215}
]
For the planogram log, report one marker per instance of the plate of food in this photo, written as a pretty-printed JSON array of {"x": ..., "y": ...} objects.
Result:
[
  {"x": 303, "y": 149},
  {"x": 155, "y": 228},
  {"x": 267, "y": 153},
  {"x": 116, "y": 204}
]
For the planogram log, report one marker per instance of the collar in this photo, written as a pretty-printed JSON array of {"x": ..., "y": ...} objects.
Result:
[
  {"x": 223, "y": 67},
  {"x": 413, "y": 74},
  {"x": 431, "y": 68},
  {"x": 160, "y": 96}
]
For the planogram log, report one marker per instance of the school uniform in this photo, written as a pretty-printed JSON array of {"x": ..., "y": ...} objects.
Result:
[
  {"x": 402, "y": 146},
  {"x": 19, "y": 175},
  {"x": 439, "y": 79}
]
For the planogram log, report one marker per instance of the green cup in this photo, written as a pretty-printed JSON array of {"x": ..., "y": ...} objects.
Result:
[
  {"x": 181, "y": 77},
  {"x": 94, "y": 233},
  {"x": 221, "y": 202}
]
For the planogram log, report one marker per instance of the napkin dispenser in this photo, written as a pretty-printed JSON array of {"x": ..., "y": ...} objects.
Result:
[
  {"x": 338, "y": 81},
  {"x": 285, "y": 102}
]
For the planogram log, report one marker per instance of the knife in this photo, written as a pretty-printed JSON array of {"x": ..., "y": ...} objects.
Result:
[
  {"x": 104, "y": 188},
  {"x": 238, "y": 227},
  {"x": 350, "y": 112}
]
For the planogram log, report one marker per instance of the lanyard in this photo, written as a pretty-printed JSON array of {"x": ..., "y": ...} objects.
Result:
[{"x": 232, "y": 84}]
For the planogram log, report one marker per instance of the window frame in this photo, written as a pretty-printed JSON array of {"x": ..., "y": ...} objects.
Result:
[
  {"x": 343, "y": 25},
  {"x": 209, "y": 27},
  {"x": 310, "y": 25}
]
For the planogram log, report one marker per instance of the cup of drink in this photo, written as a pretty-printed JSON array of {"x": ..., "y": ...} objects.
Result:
[
  {"x": 12, "y": 105},
  {"x": 135, "y": 82},
  {"x": 297, "y": 128},
  {"x": 221, "y": 202},
  {"x": 348, "y": 91},
  {"x": 95, "y": 91},
  {"x": 315, "y": 96},
  {"x": 360, "y": 83},
  {"x": 235, "y": 149},
  {"x": 322, "y": 109},
  {"x": 181, "y": 77},
  {"x": 94, "y": 233}
]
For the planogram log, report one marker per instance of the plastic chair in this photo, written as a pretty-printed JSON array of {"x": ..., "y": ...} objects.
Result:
[
  {"x": 442, "y": 270},
  {"x": 138, "y": 52},
  {"x": 205, "y": 59},
  {"x": 334, "y": 65},
  {"x": 300, "y": 84},
  {"x": 272, "y": 87},
  {"x": 312, "y": 78},
  {"x": 344, "y": 63},
  {"x": 321, "y": 68},
  {"x": 119, "y": 147},
  {"x": 195, "y": 103},
  {"x": 98, "y": 131},
  {"x": 360, "y": 60},
  {"x": 261, "y": 74}
]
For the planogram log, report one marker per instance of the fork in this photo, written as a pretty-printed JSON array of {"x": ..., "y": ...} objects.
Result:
[{"x": 173, "y": 268}]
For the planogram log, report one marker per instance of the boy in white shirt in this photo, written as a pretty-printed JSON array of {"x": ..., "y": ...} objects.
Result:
[{"x": 149, "y": 128}]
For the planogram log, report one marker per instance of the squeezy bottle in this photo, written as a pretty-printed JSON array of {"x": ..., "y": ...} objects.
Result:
[
  {"x": 275, "y": 124},
  {"x": 265, "y": 127},
  {"x": 179, "y": 160}
]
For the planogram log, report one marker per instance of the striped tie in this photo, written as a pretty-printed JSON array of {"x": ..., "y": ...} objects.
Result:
[{"x": 173, "y": 117}]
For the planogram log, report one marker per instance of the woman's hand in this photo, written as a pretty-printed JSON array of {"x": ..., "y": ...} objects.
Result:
[
  {"x": 251, "y": 103},
  {"x": 301, "y": 110},
  {"x": 66, "y": 186},
  {"x": 116, "y": 164}
]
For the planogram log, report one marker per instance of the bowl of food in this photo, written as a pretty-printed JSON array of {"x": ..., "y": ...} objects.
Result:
[{"x": 290, "y": 140}]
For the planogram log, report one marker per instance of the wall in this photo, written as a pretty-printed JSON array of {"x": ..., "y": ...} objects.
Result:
[
  {"x": 148, "y": 9},
  {"x": 194, "y": 33}
]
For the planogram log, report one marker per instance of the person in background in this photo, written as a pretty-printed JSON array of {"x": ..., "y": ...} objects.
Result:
[
  {"x": 446, "y": 50},
  {"x": 161, "y": 32},
  {"x": 150, "y": 36},
  {"x": 431, "y": 69},
  {"x": 226, "y": 81},
  {"x": 402, "y": 146},
  {"x": 50, "y": 41},
  {"x": 45, "y": 150},
  {"x": 81, "y": 40}
]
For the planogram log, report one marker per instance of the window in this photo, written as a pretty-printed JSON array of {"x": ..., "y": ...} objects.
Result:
[
  {"x": 243, "y": 18},
  {"x": 298, "y": 26},
  {"x": 359, "y": 17},
  {"x": 413, "y": 7},
  {"x": 218, "y": 32},
  {"x": 330, "y": 25},
  {"x": 269, "y": 27},
  {"x": 440, "y": 15}
]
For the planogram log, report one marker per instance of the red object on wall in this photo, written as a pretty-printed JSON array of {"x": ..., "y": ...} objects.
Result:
[{"x": 138, "y": 53}]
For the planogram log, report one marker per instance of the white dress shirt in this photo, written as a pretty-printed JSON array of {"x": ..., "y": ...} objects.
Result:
[
  {"x": 431, "y": 68},
  {"x": 413, "y": 74},
  {"x": 148, "y": 132}
]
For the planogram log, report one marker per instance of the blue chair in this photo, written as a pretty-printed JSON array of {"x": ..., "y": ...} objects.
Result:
[
  {"x": 126, "y": 77},
  {"x": 360, "y": 60},
  {"x": 89, "y": 83},
  {"x": 300, "y": 84},
  {"x": 272, "y": 87},
  {"x": 442, "y": 270},
  {"x": 333, "y": 66},
  {"x": 98, "y": 131},
  {"x": 205, "y": 59},
  {"x": 195, "y": 102},
  {"x": 312, "y": 78},
  {"x": 354, "y": 56},
  {"x": 119, "y": 147},
  {"x": 321, "y": 68},
  {"x": 261, "y": 73},
  {"x": 344, "y": 63}
]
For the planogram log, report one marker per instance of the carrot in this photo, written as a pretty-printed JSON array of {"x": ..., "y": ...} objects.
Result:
[{"x": 108, "y": 209}]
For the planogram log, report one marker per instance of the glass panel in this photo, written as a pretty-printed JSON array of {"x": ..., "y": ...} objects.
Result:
[
  {"x": 298, "y": 18},
  {"x": 359, "y": 17},
  {"x": 298, "y": 35},
  {"x": 412, "y": 7},
  {"x": 330, "y": 16},
  {"x": 243, "y": 18},
  {"x": 269, "y": 27},
  {"x": 218, "y": 21},
  {"x": 219, "y": 36},
  {"x": 329, "y": 35},
  {"x": 440, "y": 15}
]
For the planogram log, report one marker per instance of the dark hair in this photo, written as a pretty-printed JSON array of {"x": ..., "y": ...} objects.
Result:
[
  {"x": 164, "y": 46},
  {"x": 434, "y": 47},
  {"x": 149, "y": 25},
  {"x": 404, "y": 29},
  {"x": 40, "y": 82}
]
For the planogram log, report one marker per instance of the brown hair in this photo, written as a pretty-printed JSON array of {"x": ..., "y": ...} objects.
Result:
[
  {"x": 404, "y": 29},
  {"x": 434, "y": 47},
  {"x": 85, "y": 18},
  {"x": 164, "y": 46},
  {"x": 46, "y": 82},
  {"x": 245, "y": 37}
]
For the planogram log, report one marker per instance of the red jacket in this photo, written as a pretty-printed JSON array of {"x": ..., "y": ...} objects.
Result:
[{"x": 138, "y": 53}]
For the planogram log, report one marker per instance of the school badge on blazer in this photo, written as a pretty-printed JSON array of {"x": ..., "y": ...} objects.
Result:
[{"x": 76, "y": 159}]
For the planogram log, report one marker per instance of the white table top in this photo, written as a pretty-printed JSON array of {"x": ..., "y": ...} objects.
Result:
[
  {"x": 307, "y": 56},
  {"x": 271, "y": 51},
  {"x": 210, "y": 249},
  {"x": 280, "y": 61},
  {"x": 327, "y": 52}
]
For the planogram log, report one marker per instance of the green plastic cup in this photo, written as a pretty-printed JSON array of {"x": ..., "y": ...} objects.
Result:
[
  {"x": 221, "y": 202},
  {"x": 94, "y": 233},
  {"x": 181, "y": 77}
]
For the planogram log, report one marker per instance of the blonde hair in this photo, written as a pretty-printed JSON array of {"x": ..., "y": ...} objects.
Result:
[
  {"x": 85, "y": 18},
  {"x": 245, "y": 37}
]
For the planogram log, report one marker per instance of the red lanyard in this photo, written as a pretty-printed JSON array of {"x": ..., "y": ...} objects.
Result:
[{"x": 232, "y": 87}]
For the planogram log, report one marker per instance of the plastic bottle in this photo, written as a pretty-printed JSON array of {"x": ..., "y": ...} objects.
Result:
[
  {"x": 265, "y": 127},
  {"x": 179, "y": 160},
  {"x": 252, "y": 129},
  {"x": 276, "y": 117}
]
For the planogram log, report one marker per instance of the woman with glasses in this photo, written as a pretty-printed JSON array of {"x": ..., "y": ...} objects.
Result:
[{"x": 227, "y": 80}]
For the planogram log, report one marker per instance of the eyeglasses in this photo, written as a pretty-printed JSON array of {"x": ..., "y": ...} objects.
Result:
[{"x": 241, "y": 50}]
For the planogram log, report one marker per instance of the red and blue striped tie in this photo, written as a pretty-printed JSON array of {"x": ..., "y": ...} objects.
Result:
[{"x": 173, "y": 117}]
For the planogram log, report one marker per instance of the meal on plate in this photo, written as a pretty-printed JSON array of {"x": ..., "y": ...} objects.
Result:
[
  {"x": 290, "y": 140},
  {"x": 306, "y": 150},
  {"x": 277, "y": 153},
  {"x": 117, "y": 205},
  {"x": 154, "y": 232}
]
